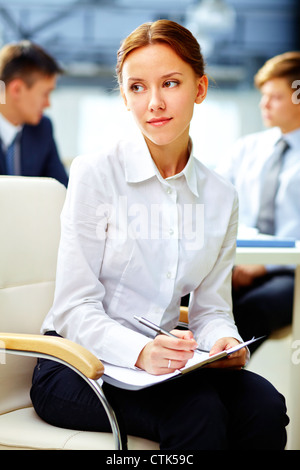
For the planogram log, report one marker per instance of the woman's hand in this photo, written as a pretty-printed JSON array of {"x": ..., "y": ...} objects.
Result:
[
  {"x": 236, "y": 360},
  {"x": 166, "y": 354}
]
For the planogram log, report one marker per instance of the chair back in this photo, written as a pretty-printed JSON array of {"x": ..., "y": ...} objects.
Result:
[{"x": 29, "y": 236}]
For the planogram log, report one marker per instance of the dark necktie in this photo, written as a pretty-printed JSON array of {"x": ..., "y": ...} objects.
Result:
[
  {"x": 10, "y": 158},
  {"x": 266, "y": 215}
]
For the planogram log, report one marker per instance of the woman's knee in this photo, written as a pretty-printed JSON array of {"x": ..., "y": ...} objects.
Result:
[{"x": 62, "y": 398}]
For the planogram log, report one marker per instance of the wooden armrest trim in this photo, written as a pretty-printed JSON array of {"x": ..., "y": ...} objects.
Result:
[
  {"x": 183, "y": 316},
  {"x": 61, "y": 348}
]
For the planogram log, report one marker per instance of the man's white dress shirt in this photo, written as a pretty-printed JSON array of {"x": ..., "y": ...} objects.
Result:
[
  {"x": 246, "y": 166},
  {"x": 133, "y": 243}
]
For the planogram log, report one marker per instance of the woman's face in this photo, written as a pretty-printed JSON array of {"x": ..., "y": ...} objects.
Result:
[{"x": 160, "y": 89}]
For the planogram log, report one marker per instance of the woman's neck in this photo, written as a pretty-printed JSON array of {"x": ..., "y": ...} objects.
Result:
[{"x": 171, "y": 159}]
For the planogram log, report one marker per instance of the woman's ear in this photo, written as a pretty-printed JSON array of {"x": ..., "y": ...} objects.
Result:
[
  {"x": 202, "y": 85},
  {"x": 124, "y": 98}
]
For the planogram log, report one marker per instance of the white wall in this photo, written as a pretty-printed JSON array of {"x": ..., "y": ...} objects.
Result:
[{"x": 84, "y": 118}]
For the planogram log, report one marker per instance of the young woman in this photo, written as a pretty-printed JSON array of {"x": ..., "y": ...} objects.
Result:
[{"x": 145, "y": 223}]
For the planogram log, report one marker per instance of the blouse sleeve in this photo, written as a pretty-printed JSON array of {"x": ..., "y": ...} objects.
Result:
[
  {"x": 78, "y": 312},
  {"x": 210, "y": 310}
]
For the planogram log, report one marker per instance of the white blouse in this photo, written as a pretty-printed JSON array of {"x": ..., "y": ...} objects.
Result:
[{"x": 133, "y": 243}]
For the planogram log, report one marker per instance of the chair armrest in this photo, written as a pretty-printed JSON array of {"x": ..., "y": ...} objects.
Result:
[
  {"x": 71, "y": 354},
  {"x": 68, "y": 351},
  {"x": 183, "y": 316}
]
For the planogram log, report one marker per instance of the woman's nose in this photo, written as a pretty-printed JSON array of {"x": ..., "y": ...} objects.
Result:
[{"x": 156, "y": 101}]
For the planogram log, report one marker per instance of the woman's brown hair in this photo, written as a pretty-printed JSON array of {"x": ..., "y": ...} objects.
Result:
[{"x": 168, "y": 32}]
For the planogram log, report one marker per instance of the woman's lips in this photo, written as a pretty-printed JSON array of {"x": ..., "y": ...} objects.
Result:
[{"x": 158, "y": 122}]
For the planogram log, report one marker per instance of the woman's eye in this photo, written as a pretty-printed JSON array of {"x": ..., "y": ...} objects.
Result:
[
  {"x": 170, "y": 84},
  {"x": 137, "y": 88}
]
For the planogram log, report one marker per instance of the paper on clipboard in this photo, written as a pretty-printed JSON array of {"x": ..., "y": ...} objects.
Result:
[{"x": 135, "y": 379}]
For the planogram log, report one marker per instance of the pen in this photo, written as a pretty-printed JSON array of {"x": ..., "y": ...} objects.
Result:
[{"x": 161, "y": 331}]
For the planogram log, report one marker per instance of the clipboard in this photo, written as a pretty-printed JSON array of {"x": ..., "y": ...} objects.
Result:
[{"x": 136, "y": 379}]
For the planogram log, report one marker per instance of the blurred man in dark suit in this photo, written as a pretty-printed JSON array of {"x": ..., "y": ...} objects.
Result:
[{"x": 27, "y": 145}]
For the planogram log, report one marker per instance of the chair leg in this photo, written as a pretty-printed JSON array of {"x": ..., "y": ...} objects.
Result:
[{"x": 120, "y": 439}]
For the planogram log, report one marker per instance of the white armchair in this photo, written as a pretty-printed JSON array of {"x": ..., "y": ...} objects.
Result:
[{"x": 29, "y": 236}]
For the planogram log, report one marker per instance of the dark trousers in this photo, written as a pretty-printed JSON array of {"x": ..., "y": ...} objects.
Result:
[
  {"x": 209, "y": 409},
  {"x": 265, "y": 306}
]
